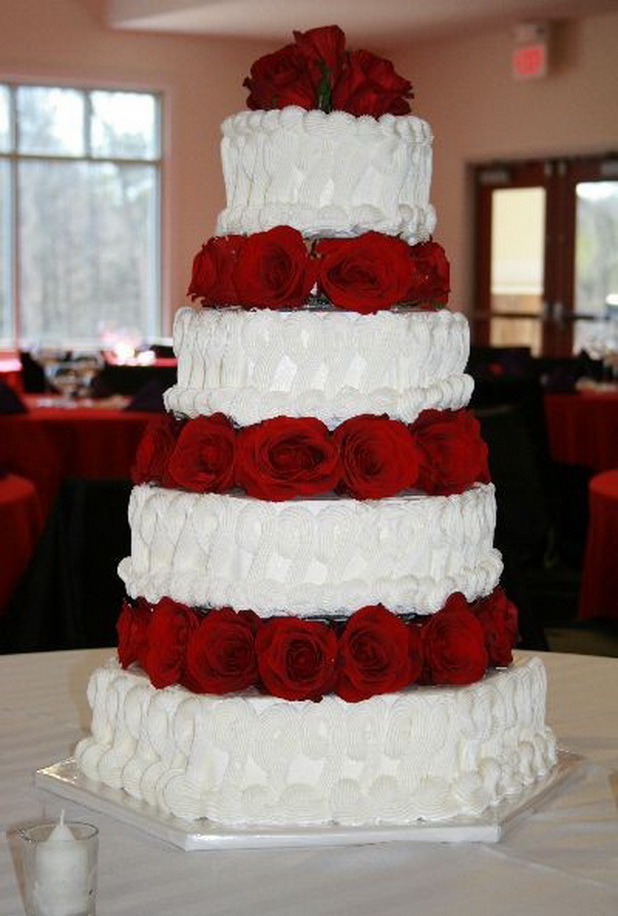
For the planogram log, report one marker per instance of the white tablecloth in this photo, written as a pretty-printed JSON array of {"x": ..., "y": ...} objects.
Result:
[{"x": 563, "y": 859}]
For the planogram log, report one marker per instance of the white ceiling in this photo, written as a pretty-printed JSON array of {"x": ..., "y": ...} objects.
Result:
[{"x": 374, "y": 23}]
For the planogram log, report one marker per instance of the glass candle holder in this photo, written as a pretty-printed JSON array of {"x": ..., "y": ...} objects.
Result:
[{"x": 59, "y": 864}]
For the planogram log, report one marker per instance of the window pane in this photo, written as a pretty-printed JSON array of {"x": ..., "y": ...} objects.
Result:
[
  {"x": 5, "y": 254},
  {"x": 88, "y": 237},
  {"x": 124, "y": 125},
  {"x": 50, "y": 121},
  {"x": 517, "y": 265},
  {"x": 596, "y": 260},
  {"x": 5, "y": 121}
]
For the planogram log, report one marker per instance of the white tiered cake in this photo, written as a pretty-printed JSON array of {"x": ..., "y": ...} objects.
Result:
[{"x": 314, "y": 631}]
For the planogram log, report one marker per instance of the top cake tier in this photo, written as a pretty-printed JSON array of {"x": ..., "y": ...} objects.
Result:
[{"x": 327, "y": 174}]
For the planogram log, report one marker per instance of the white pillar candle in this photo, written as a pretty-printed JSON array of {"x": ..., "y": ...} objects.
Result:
[{"x": 61, "y": 874}]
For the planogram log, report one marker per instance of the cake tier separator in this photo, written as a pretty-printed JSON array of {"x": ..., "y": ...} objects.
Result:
[{"x": 66, "y": 780}]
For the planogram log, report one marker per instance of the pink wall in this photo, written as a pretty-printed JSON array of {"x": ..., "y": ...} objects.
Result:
[
  {"x": 463, "y": 87},
  {"x": 479, "y": 113},
  {"x": 201, "y": 82}
]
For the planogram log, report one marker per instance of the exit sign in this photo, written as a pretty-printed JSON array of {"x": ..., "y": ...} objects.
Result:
[
  {"x": 530, "y": 61},
  {"x": 530, "y": 54}
]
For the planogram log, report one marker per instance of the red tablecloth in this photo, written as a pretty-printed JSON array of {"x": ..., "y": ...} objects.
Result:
[
  {"x": 10, "y": 372},
  {"x": 583, "y": 428},
  {"x": 49, "y": 443},
  {"x": 21, "y": 519},
  {"x": 599, "y": 590}
]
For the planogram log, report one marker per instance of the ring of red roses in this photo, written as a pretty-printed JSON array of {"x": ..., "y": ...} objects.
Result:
[
  {"x": 374, "y": 651},
  {"x": 365, "y": 457},
  {"x": 277, "y": 269}
]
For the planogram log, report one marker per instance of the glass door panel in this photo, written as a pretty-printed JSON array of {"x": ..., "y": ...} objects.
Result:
[
  {"x": 517, "y": 267},
  {"x": 596, "y": 265}
]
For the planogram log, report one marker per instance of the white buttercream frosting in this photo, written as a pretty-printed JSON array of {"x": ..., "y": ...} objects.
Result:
[
  {"x": 311, "y": 557},
  {"x": 252, "y": 365},
  {"x": 327, "y": 174},
  {"x": 422, "y": 754}
]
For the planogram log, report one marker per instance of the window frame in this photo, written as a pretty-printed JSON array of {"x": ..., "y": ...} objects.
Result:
[{"x": 155, "y": 321}]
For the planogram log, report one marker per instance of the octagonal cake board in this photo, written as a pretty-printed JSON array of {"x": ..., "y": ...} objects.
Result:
[{"x": 66, "y": 780}]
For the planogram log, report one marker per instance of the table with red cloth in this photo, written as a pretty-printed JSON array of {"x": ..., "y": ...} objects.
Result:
[
  {"x": 21, "y": 520},
  {"x": 10, "y": 372},
  {"x": 599, "y": 589},
  {"x": 583, "y": 428},
  {"x": 52, "y": 442}
]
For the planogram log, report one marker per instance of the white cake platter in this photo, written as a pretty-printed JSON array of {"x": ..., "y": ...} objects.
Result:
[{"x": 65, "y": 779}]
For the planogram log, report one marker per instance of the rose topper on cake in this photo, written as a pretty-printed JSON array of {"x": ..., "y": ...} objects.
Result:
[{"x": 318, "y": 72}]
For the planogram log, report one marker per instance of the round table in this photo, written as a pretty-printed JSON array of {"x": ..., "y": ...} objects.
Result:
[
  {"x": 583, "y": 428},
  {"x": 21, "y": 520},
  {"x": 561, "y": 858},
  {"x": 599, "y": 588}
]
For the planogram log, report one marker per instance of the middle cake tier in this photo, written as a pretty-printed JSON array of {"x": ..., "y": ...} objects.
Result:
[
  {"x": 323, "y": 557},
  {"x": 252, "y": 365}
]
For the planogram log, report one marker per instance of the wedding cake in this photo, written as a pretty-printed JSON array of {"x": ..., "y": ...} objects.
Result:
[{"x": 314, "y": 630}]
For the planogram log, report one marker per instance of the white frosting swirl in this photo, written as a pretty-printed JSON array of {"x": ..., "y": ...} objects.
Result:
[
  {"x": 331, "y": 365},
  {"x": 311, "y": 556},
  {"x": 257, "y": 760},
  {"x": 327, "y": 174}
]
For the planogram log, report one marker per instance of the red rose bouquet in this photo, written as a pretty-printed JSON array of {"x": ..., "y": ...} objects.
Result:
[{"x": 317, "y": 71}]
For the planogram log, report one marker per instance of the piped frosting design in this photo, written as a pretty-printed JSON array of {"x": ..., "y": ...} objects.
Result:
[
  {"x": 311, "y": 557},
  {"x": 252, "y": 365},
  {"x": 327, "y": 174},
  {"x": 425, "y": 753}
]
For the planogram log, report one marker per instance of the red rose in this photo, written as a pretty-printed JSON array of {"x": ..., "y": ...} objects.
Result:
[
  {"x": 370, "y": 86},
  {"x": 378, "y": 653},
  {"x": 286, "y": 457},
  {"x": 378, "y": 457},
  {"x": 168, "y": 633},
  {"x": 498, "y": 618},
  {"x": 324, "y": 50},
  {"x": 430, "y": 274},
  {"x": 296, "y": 658},
  {"x": 221, "y": 653},
  {"x": 211, "y": 279},
  {"x": 132, "y": 629},
  {"x": 274, "y": 269},
  {"x": 454, "y": 455},
  {"x": 154, "y": 450},
  {"x": 280, "y": 79},
  {"x": 364, "y": 274},
  {"x": 203, "y": 459},
  {"x": 453, "y": 645}
]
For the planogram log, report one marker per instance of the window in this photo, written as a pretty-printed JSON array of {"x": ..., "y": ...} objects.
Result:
[
  {"x": 547, "y": 255},
  {"x": 80, "y": 174}
]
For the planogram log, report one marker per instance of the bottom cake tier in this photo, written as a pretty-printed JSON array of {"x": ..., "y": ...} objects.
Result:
[{"x": 429, "y": 753}]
